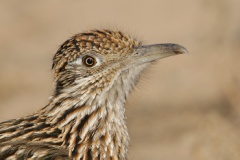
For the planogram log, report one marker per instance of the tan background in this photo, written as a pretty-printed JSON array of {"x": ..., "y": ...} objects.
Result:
[{"x": 186, "y": 107}]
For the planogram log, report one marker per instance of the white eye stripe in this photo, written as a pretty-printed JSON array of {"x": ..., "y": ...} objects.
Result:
[{"x": 77, "y": 61}]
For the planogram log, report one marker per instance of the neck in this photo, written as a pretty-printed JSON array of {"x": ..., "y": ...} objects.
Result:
[{"x": 88, "y": 131}]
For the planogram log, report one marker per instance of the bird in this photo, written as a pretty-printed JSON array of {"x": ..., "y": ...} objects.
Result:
[{"x": 94, "y": 73}]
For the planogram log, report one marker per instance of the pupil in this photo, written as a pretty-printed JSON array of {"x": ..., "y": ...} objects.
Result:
[{"x": 89, "y": 61}]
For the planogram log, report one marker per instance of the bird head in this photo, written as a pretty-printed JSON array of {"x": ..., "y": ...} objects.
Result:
[{"x": 100, "y": 60}]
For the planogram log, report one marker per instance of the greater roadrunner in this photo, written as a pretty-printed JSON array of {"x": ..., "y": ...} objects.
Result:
[{"x": 94, "y": 73}]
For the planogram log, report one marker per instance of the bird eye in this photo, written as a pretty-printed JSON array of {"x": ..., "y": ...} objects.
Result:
[{"x": 88, "y": 61}]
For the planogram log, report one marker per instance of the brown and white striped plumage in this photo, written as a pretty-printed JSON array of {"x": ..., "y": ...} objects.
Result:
[{"x": 85, "y": 118}]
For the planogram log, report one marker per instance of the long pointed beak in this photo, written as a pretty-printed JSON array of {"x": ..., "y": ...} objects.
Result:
[{"x": 149, "y": 53}]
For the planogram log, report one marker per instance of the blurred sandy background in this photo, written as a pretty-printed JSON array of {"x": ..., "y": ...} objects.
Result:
[{"x": 186, "y": 107}]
